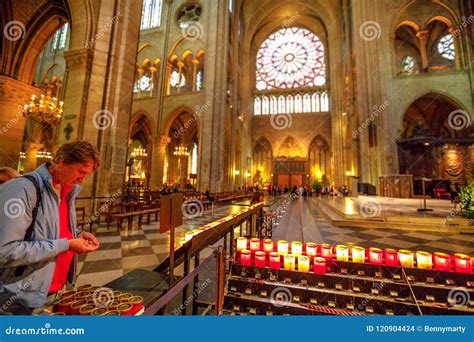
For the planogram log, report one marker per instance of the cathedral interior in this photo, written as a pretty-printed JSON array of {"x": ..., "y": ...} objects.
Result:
[{"x": 363, "y": 106}]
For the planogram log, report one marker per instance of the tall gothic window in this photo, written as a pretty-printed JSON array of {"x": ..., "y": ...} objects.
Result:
[
  {"x": 151, "y": 14},
  {"x": 291, "y": 59},
  {"x": 408, "y": 65},
  {"x": 59, "y": 38},
  {"x": 446, "y": 47}
]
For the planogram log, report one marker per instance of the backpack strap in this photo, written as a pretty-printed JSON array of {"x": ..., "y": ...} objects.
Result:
[{"x": 29, "y": 231}]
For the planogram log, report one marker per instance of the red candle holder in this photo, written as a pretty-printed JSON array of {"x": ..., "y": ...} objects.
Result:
[
  {"x": 268, "y": 245},
  {"x": 311, "y": 249},
  {"x": 375, "y": 256},
  {"x": 254, "y": 244},
  {"x": 275, "y": 261},
  {"x": 319, "y": 265},
  {"x": 260, "y": 259},
  {"x": 326, "y": 251},
  {"x": 246, "y": 257},
  {"x": 442, "y": 261},
  {"x": 462, "y": 263},
  {"x": 391, "y": 257}
]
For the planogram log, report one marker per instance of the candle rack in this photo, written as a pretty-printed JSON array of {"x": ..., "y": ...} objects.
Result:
[{"x": 348, "y": 288}]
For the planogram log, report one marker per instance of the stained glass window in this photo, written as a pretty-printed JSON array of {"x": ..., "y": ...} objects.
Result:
[
  {"x": 408, "y": 65},
  {"x": 59, "y": 38},
  {"x": 290, "y": 58},
  {"x": 175, "y": 79},
  {"x": 144, "y": 84},
  {"x": 446, "y": 47},
  {"x": 199, "y": 77},
  {"x": 151, "y": 14}
]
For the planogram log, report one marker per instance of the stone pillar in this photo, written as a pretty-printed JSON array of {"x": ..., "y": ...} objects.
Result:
[
  {"x": 158, "y": 160},
  {"x": 13, "y": 96},
  {"x": 212, "y": 149},
  {"x": 422, "y": 37}
]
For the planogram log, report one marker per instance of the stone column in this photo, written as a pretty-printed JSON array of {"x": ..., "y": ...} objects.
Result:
[
  {"x": 13, "y": 96},
  {"x": 212, "y": 149},
  {"x": 422, "y": 37},
  {"x": 158, "y": 160}
]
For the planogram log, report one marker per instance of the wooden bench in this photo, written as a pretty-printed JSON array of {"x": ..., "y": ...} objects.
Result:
[{"x": 129, "y": 216}]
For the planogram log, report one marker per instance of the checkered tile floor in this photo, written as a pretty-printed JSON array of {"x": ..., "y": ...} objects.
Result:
[
  {"x": 146, "y": 247},
  {"x": 429, "y": 241}
]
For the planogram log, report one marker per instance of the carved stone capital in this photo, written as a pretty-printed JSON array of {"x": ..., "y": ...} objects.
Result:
[
  {"x": 15, "y": 91},
  {"x": 77, "y": 59}
]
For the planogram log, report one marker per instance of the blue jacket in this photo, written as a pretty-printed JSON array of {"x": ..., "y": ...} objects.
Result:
[{"x": 17, "y": 199}]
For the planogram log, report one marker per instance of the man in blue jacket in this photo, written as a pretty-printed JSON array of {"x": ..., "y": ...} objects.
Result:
[{"x": 39, "y": 240}]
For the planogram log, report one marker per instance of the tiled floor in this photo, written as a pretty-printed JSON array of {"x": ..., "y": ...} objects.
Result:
[{"x": 302, "y": 220}]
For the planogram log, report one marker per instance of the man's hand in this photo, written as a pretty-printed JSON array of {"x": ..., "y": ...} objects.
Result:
[
  {"x": 89, "y": 237},
  {"x": 80, "y": 245}
]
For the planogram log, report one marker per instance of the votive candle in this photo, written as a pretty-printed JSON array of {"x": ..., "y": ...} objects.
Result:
[
  {"x": 424, "y": 260},
  {"x": 289, "y": 262},
  {"x": 442, "y": 261},
  {"x": 274, "y": 261},
  {"x": 303, "y": 263},
  {"x": 246, "y": 257},
  {"x": 260, "y": 258},
  {"x": 282, "y": 247},
  {"x": 311, "y": 249},
  {"x": 296, "y": 248},
  {"x": 241, "y": 243},
  {"x": 268, "y": 245},
  {"x": 462, "y": 263},
  {"x": 358, "y": 254},
  {"x": 326, "y": 251},
  {"x": 375, "y": 255},
  {"x": 319, "y": 265},
  {"x": 342, "y": 253},
  {"x": 406, "y": 258},
  {"x": 391, "y": 257},
  {"x": 254, "y": 244}
]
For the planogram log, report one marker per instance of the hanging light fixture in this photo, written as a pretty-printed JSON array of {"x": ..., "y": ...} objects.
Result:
[
  {"x": 181, "y": 151},
  {"x": 139, "y": 152},
  {"x": 44, "y": 109}
]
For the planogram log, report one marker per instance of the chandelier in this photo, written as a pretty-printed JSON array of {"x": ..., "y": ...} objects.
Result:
[
  {"x": 44, "y": 155},
  {"x": 44, "y": 109},
  {"x": 181, "y": 151},
  {"x": 139, "y": 152}
]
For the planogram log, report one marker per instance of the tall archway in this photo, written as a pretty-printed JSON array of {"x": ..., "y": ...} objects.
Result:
[
  {"x": 262, "y": 156},
  {"x": 181, "y": 156},
  {"x": 319, "y": 159},
  {"x": 436, "y": 142}
]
